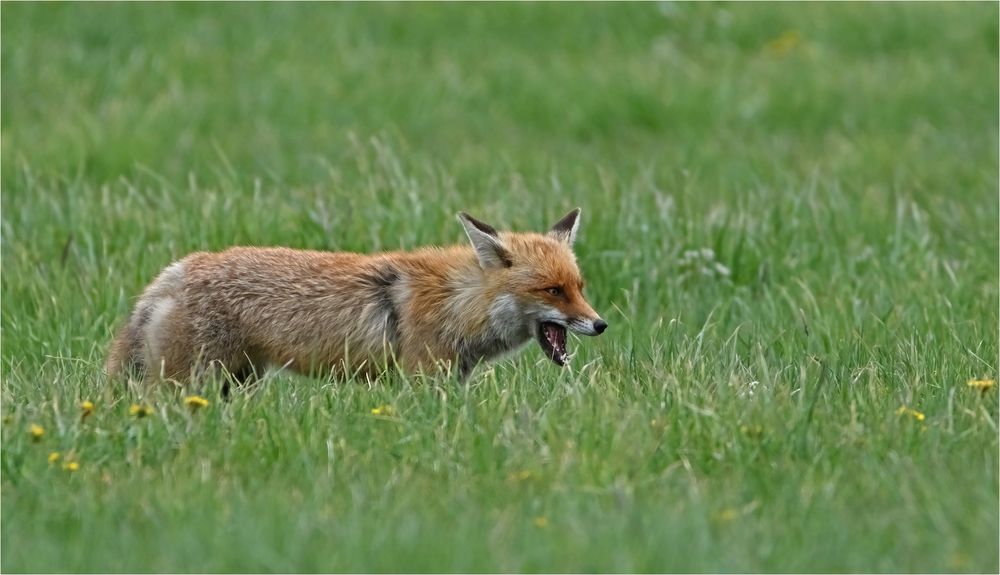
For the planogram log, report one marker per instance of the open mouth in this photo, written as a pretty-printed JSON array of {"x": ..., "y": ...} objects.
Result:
[{"x": 552, "y": 338}]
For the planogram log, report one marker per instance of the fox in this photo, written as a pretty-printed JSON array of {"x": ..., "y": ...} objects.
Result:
[{"x": 431, "y": 309}]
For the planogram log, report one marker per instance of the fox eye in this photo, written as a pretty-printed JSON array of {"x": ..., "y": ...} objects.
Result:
[{"x": 554, "y": 291}]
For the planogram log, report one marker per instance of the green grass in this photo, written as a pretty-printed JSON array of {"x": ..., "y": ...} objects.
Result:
[{"x": 839, "y": 160}]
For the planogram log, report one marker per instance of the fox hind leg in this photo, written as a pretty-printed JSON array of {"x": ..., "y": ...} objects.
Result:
[{"x": 243, "y": 376}]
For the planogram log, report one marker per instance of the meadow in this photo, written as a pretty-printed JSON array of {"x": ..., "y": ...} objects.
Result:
[{"x": 790, "y": 221}]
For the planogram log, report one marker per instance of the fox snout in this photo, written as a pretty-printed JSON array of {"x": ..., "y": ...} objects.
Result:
[{"x": 590, "y": 327}]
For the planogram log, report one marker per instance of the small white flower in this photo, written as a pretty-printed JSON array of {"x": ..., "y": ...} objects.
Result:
[{"x": 702, "y": 262}]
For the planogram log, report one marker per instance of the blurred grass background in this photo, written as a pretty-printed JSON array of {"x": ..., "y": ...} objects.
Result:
[{"x": 790, "y": 220}]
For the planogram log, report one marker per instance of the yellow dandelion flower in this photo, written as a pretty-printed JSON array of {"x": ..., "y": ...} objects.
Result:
[
  {"x": 86, "y": 408},
  {"x": 754, "y": 431},
  {"x": 140, "y": 411},
  {"x": 727, "y": 515},
  {"x": 783, "y": 44},
  {"x": 71, "y": 466},
  {"x": 195, "y": 402},
  {"x": 522, "y": 475},
  {"x": 903, "y": 410},
  {"x": 37, "y": 432},
  {"x": 53, "y": 457},
  {"x": 983, "y": 385},
  {"x": 541, "y": 521},
  {"x": 958, "y": 561},
  {"x": 386, "y": 410}
]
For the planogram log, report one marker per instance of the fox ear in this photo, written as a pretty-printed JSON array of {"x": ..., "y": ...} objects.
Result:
[
  {"x": 565, "y": 229},
  {"x": 485, "y": 239}
]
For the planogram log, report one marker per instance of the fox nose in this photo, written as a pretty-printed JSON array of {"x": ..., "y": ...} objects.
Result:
[{"x": 600, "y": 325}]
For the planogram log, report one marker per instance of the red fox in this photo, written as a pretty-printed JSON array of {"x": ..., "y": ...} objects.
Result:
[{"x": 429, "y": 309}]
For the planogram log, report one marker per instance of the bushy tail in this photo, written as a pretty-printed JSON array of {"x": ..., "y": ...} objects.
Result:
[
  {"x": 125, "y": 356},
  {"x": 128, "y": 354}
]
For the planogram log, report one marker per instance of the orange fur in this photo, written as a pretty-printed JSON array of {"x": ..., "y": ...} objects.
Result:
[{"x": 245, "y": 308}]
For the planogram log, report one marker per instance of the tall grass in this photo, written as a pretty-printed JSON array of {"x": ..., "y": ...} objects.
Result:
[{"x": 789, "y": 220}]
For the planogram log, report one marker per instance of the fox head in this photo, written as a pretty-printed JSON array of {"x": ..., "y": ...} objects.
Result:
[{"x": 536, "y": 285}]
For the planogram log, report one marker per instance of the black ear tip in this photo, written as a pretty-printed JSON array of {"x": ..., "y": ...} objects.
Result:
[
  {"x": 568, "y": 222},
  {"x": 483, "y": 227}
]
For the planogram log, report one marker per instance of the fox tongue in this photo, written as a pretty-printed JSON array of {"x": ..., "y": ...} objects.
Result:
[{"x": 556, "y": 336}]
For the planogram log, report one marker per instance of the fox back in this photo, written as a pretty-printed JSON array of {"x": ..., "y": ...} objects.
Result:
[{"x": 433, "y": 308}]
